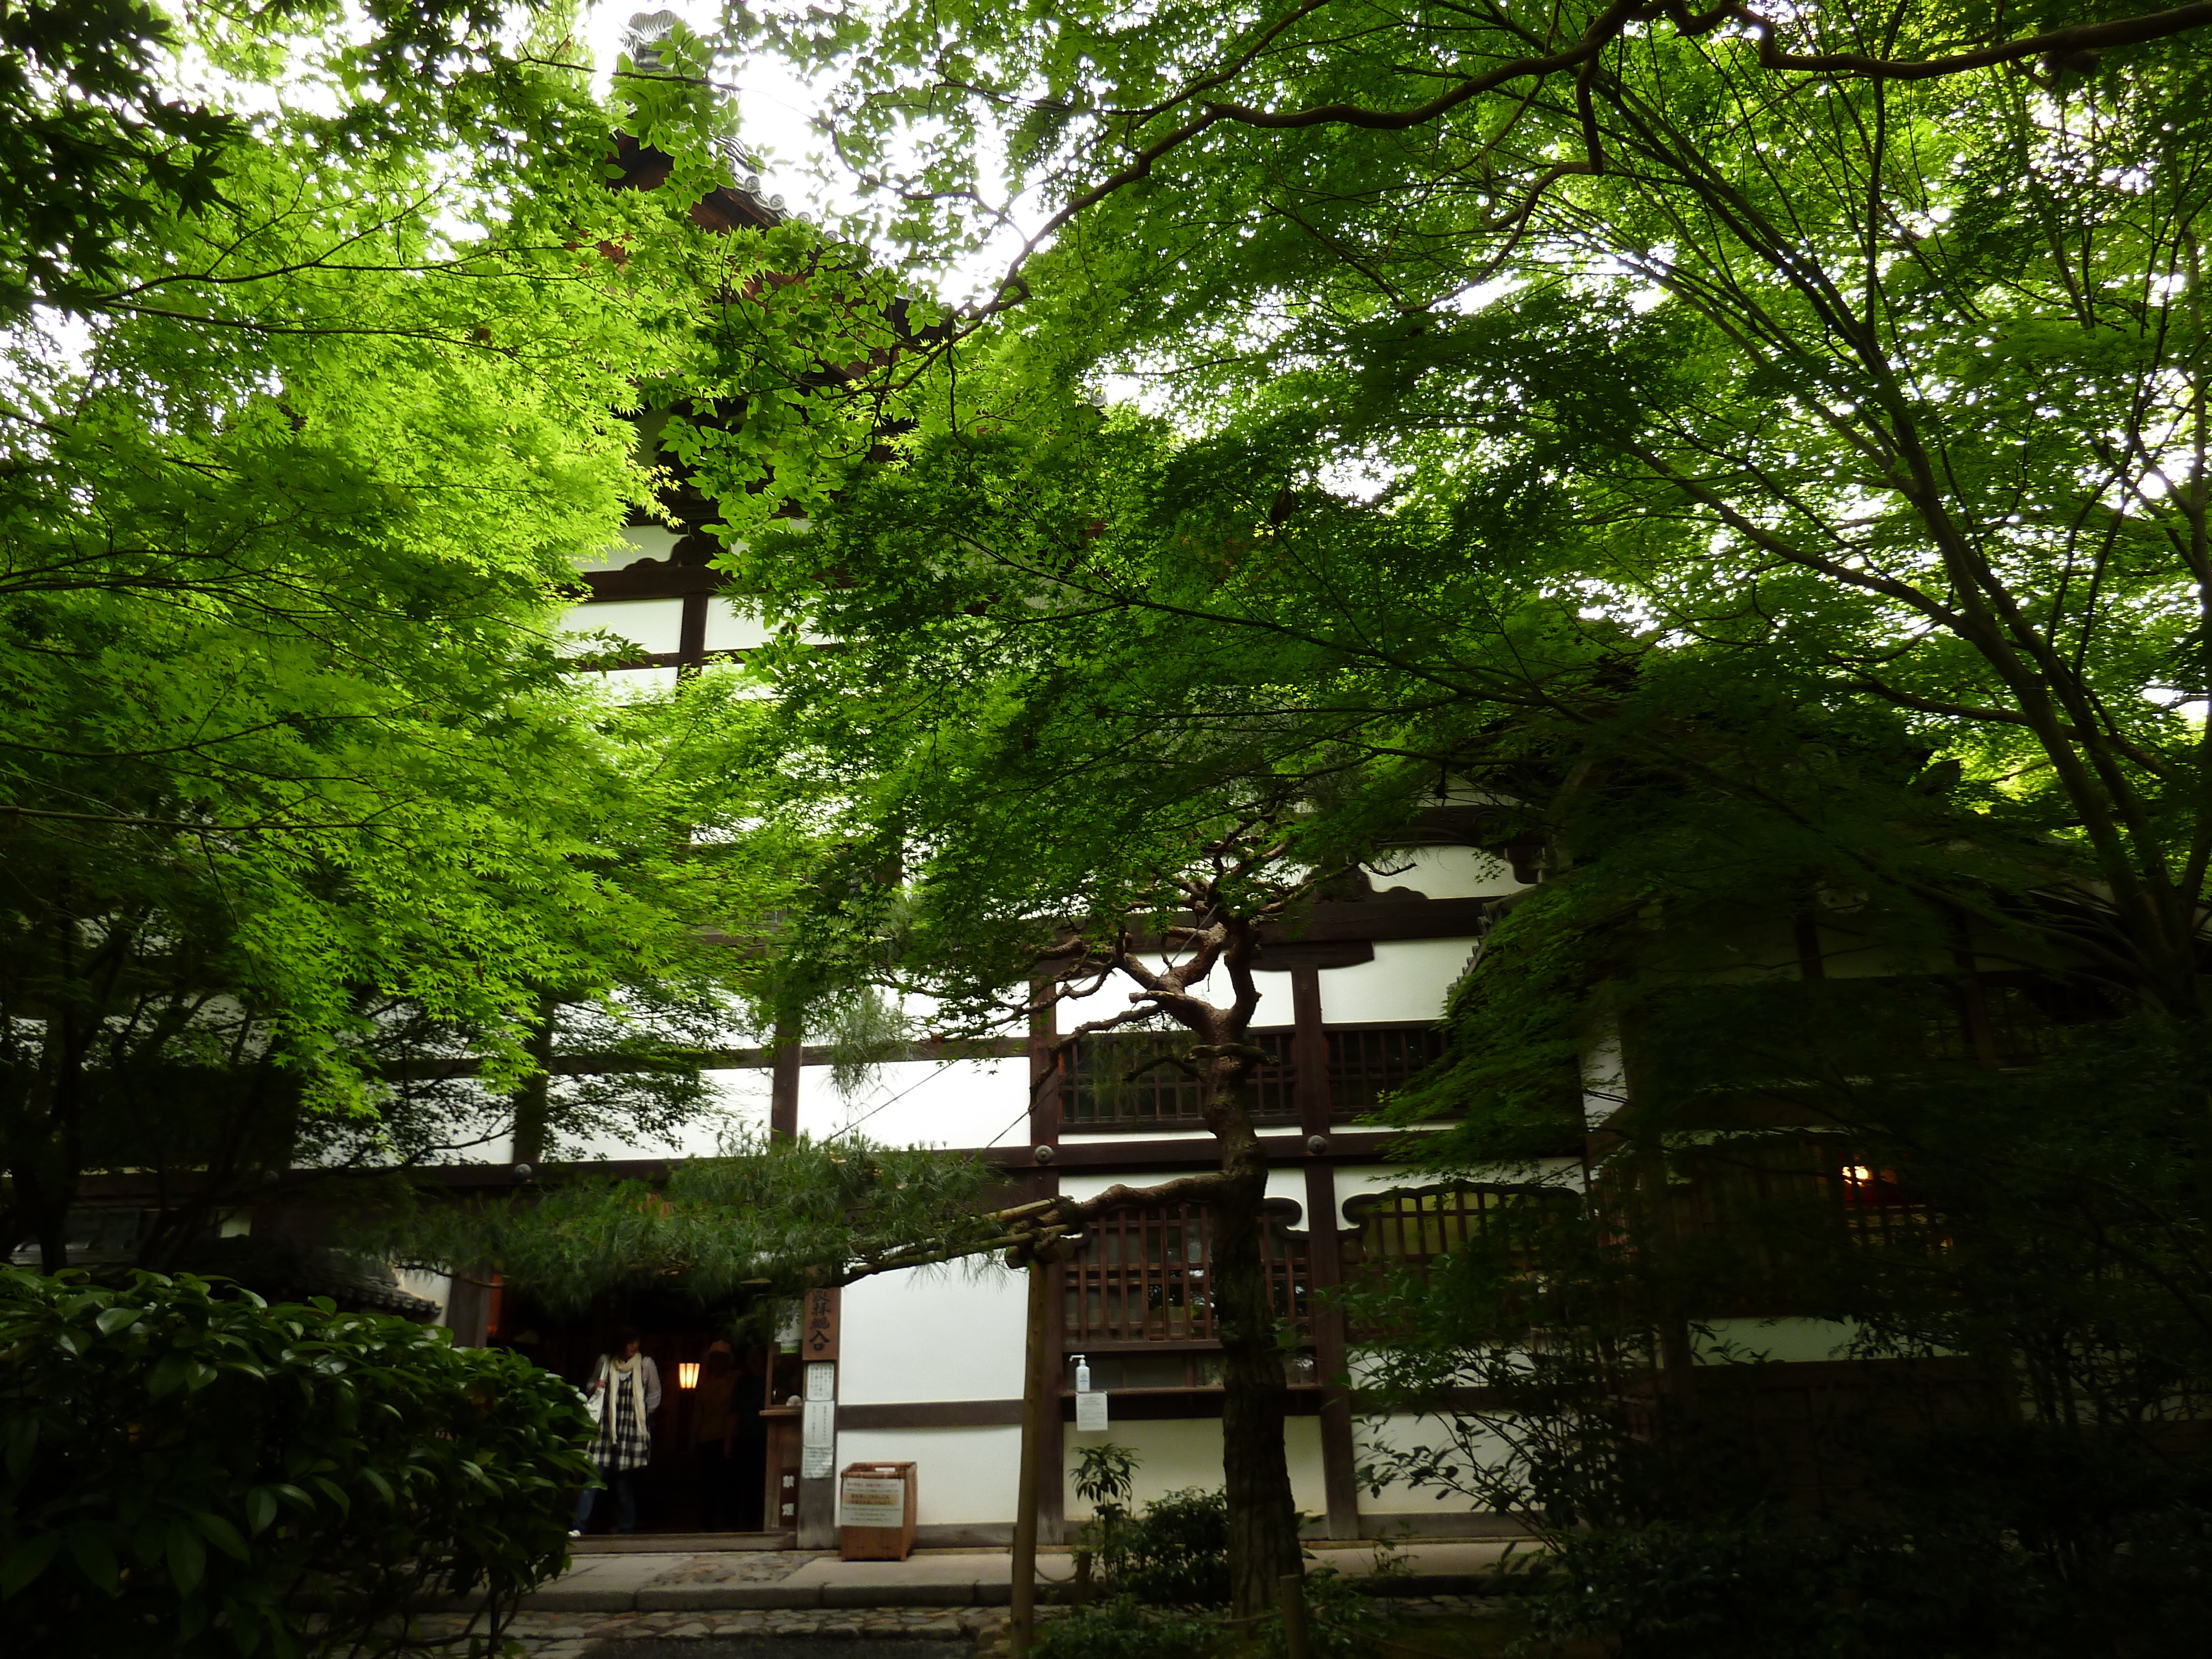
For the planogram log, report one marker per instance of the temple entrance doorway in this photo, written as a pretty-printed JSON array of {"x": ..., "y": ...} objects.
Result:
[{"x": 709, "y": 1475}]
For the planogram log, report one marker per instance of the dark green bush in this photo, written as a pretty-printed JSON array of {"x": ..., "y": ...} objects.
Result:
[
  {"x": 1175, "y": 1554},
  {"x": 1122, "y": 1627},
  {"x": 187, "y": 1471}
]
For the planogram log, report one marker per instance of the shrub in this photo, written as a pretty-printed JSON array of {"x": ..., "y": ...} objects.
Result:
[
  {"x": 185, "y": 1468},
  {"x": 1122, "y": 1627},
  {"x": 1175, "y": 1554}
]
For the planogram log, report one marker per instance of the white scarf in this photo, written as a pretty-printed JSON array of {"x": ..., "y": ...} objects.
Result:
[{"x": 630, "y": 1370}]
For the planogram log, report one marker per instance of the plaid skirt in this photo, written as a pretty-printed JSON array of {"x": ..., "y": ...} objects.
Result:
[{"x": 624, "y": 1441}]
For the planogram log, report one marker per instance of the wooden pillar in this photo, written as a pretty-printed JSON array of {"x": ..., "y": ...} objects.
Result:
[
  {"x": 1051, "y": 1445},
  {"x": 1324, "y": 1273},
  {"x": 692, "y": 634},
  {"x": 819, "y": 1351},
  {"x": 468, "y": 1307},
  {"x": 1324, "y": 1258},
  {"x": 1044, "y": 1131},
  {"x": 783, "y": 1086},
  {"x": 1040, "y": 1404}
]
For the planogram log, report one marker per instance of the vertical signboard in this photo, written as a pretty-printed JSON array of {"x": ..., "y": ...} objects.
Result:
[{"x": 817, "y": 1335}]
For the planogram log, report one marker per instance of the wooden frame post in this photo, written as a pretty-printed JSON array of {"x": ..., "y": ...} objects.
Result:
[
  {"x": 1036, "y": 1397},
  {"x": 1324, "y": 1260},
  {"x": 786, "y": 1056}
]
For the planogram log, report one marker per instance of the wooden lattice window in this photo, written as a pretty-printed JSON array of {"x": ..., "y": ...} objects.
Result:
[
  {"x": 1145, "y": 1275},
  {"x": 1365, "y": 1063},
  {"x": 1878, "y": 1208},
  {"x": 1413, "y": 1229},
  {"x": 1140, "y": 1078}
]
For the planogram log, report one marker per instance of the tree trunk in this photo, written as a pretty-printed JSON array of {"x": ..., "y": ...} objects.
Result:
[
  {"x": 533, "y": 1095},
  {"x": 1263, "y": 1524}
]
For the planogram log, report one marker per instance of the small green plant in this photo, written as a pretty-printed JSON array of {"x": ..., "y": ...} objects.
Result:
[{"x": 1105, "y": 1475}]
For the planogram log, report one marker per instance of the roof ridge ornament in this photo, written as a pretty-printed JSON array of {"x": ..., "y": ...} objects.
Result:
[{"x": 642, "y": 35}]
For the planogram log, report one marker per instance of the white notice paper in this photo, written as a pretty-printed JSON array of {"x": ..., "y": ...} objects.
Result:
[
  {"x": 817, "y": 1462},
  {"x": 817, "y": 1423},
  {"x": 869, "y": 1500},
  {"x": 821, "y": 1381},
  {"x": 1090, "y": 1411}
]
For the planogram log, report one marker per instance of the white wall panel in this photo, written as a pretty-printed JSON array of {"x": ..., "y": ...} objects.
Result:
[
  {"x": 917, "y": 1103},
  {"x": 741, "y": 1102},
  {"x": 930, "y": 1334},
  {"x": 962, "y": 1476},
  {"x": 1783, "y": 1341},
  {"x": 622, "y": 684},
  {"x": 1174, "y": 1453},
  {"x": 431, "y": 1287},
  {"x": 653, "y": 626},
  {"x": 1353, "y": 1180},
  {"x": 1282, "y": 1183},
  {"x": 1405, "y": 1433},
  {"x": 726, "y": 630},
  {"x": 1114, "y": 998},
  {"x": 1408, "y": 981},
  {"x": 649, "y": 541},
  {"x": 1442, "y": 873}
]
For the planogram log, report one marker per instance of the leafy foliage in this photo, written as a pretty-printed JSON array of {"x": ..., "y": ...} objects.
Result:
[
  {"x": 182, "y": 1465},
  {"x": 769, "y": 1217},
  {"x": 1755, "y": 466},
  {"x": 311, "y": 821}
]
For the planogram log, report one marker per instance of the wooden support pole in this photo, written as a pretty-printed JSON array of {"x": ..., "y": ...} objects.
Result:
[
  {"x": 1022, "y": 1625},
  {"x": 1296, "y": 1643},
  {"x": 783, "y": 1085}
]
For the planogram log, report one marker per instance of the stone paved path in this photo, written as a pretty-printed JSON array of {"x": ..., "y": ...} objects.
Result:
[{"x": 813, "y": 1633}]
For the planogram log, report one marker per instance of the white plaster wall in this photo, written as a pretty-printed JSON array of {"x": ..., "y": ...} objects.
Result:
[
  {"x": 1174, "y": 1453},
  {"x": 1408, "y": 981},
  {"x": 431, "y": 1287},
  {"x": 741, "y": 1102},
  {"x": 1784, "y": 1340},
  {"x": 962, "y": 1476},
  {"x": 729, "y": 630},
  {"x": 652, "y": 625},
  {"x": 1406, "y": 1433},
  {"x": 1113, "y": 998},
  {"x": 1605, "y": 1085},
  {"x": 1282, "y": 1183},
  {"x": 919, "y": 1102},
  {"x": 1442, "y": 873},
  {"x": 621, "y": 685},
  {"x": 1354, "y": 1179},
  {"x": 649, "y": 541},
  {"x": 931, "y": 1334}
]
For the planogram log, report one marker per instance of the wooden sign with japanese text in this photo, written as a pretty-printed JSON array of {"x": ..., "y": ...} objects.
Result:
[{"x": 818, "y": 1325}]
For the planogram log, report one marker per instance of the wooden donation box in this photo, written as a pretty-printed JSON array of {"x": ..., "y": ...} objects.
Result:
[{"x": 875, "y": 1512}]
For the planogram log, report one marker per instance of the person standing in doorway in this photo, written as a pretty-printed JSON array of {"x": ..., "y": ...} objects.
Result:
[
  {"x": 626, "y": 1392},
  {"x": 710, "y": 1438}
]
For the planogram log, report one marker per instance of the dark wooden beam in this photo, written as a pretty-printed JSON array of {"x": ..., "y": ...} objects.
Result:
[{"x": 650, "y": 579}]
